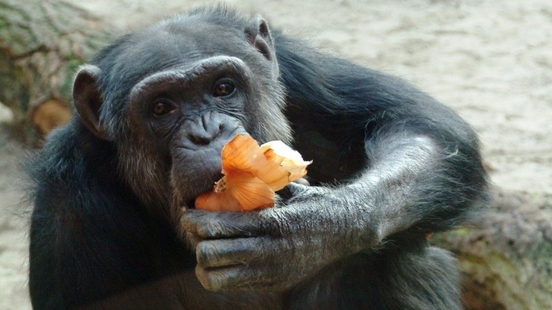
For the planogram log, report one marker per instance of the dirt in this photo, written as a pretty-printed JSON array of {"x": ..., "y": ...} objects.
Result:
[{"x": 490, "y": 60}]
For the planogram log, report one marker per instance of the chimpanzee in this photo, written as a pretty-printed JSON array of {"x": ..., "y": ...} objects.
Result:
[{"x": 114, "y": 225}]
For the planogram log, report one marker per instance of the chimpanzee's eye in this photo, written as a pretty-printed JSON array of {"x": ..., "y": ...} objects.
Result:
[
  {"x": 223, "y": 89},
  {"x": 161, "y": 108}
]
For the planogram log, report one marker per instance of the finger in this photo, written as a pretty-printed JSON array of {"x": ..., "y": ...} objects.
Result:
[
  {"x": 289, "y": 191},
  {"x": 299, "y": 193},
  {"x": 296, "y": 189},
  {"x": 193, "y": 240},
  {"x": 227, "y": 252},
  {"x": 222, "y": 224},
  {"x": 232, "y": 278},
  {"x": 190, "y": 218}
]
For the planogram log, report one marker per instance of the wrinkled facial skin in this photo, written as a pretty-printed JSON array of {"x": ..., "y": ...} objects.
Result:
[
  {"x": 189, "y": 114},
  {"x": 180, "y": 117}
]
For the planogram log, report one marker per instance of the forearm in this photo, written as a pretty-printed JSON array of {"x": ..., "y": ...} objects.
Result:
[{"x": 413, "y": 182}]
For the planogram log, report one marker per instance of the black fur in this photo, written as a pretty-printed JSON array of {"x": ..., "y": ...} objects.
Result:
[{"x": 106, "y": 231}]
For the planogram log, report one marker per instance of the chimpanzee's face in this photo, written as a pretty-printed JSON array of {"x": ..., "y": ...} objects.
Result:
[
  {"x": 188, "y": 113},
  {"x": 182, "y": 93}
]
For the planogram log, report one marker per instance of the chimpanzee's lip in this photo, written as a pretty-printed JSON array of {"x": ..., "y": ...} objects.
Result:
[{"x": 203, "y": 186}]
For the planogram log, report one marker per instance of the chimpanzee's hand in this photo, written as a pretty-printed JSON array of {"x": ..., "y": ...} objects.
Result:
[{"x": 278, "y": 247}]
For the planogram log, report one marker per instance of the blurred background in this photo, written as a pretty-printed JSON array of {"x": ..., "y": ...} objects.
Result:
[{"x": 490, "y": 60}]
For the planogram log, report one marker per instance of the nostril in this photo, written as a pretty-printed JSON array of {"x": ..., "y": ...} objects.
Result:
[
  {"x": 199, "y": 139},
  {"x": 208, "y": 134}
]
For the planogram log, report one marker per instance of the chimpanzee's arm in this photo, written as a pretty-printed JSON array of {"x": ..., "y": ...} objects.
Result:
[
  {"x": 413, "y": 184},
  {"x": 420, "y": 172}
]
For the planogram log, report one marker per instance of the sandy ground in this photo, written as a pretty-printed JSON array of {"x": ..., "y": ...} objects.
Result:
[{"x": 491, "y": 60}]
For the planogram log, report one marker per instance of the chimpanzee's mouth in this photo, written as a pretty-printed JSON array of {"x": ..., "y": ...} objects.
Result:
[{"x": 187, "y": 195}]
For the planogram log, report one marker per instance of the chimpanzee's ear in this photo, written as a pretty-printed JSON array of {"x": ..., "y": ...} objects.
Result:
[
  {"x": 88, "y": 99},
  {"x": 258, "y": 34}
]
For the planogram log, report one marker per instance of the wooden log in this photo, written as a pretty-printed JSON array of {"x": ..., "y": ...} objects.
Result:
[
  {"x": 506, "y": 257},
  {"x": 42, "y": 43}
]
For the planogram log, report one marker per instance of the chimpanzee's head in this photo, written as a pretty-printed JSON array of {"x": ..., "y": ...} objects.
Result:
[{"x": 169, "y": 97}]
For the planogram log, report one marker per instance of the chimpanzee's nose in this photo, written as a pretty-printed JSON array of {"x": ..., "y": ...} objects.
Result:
[{"x": 207, "y": 128}]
